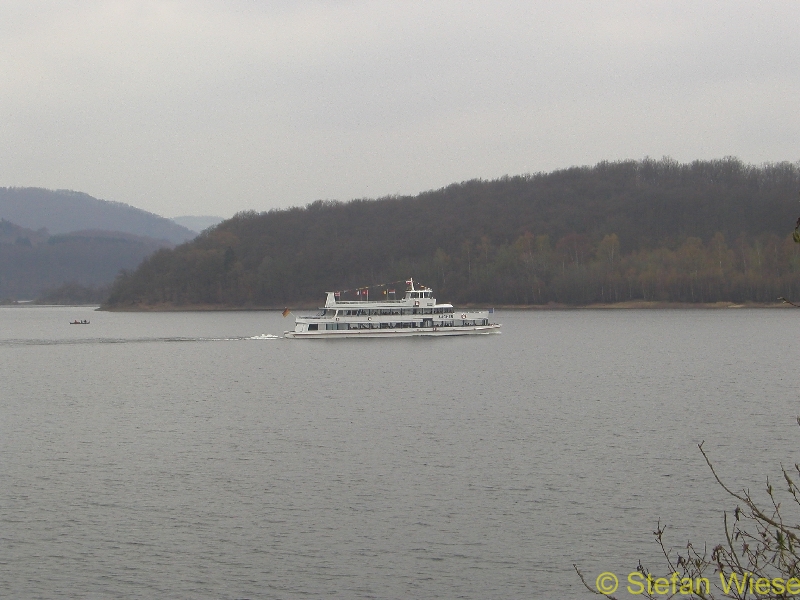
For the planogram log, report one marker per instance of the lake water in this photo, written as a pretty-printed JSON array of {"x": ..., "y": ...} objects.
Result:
[{"x": 168, "y": 455}]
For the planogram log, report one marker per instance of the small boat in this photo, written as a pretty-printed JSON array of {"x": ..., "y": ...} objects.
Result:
[
  {"x": 417, "y": 313},
  {"x": 79, "y": 322}
]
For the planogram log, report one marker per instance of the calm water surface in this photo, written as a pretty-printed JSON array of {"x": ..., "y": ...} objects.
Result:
[{"x": 170, "y": 456}]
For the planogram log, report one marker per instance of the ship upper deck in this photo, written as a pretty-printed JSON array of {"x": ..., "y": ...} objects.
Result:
[{"x": 413, "y": 298}]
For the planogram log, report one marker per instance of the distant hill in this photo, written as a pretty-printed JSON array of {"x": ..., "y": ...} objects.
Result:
[
  {"x": 32, "y": 262},
  {"x": 705, "y": 231},
  {"x": 65, "y": 211},
  {"x": 198, "y": 223},
  {"x": 14, "y": 234},
  {"x": 74, "y": 293}
]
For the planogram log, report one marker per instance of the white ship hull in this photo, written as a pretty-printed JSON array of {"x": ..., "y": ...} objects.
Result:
[{"x": 394, "y": 333}]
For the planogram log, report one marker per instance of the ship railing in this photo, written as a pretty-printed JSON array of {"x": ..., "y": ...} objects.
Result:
[{"x": 363, "y": 302}]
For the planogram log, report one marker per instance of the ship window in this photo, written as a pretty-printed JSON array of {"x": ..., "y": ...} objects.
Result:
[{"x": 312, "y": 327}]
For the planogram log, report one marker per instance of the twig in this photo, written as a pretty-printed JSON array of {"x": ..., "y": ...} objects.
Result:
[{"x": 588, "y": 587}]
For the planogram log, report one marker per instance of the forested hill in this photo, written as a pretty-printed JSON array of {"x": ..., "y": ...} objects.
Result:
[
  {"x": 653, "y": 230},
  {"x": 64, "y": 211},
  {"x": 32, "y": 262}
]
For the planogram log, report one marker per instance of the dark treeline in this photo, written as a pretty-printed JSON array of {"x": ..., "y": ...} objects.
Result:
[
  {"x": 74, "y": 293},
  {"x": 648, "y": 230}
]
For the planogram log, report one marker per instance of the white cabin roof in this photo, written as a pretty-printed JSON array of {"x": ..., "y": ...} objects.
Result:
[{"x": 424, "y": 299}]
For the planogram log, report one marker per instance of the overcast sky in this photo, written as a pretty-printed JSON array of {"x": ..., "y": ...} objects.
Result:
[{"x": 214, "y": 107}]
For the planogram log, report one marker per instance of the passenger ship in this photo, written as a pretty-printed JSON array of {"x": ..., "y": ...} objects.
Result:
[{"x": 416, "y": 314}]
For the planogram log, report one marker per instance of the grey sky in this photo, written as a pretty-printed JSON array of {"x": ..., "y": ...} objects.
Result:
[{"x": 214, "y": 107}]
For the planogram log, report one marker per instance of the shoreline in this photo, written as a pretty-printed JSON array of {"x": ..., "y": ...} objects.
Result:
[{"x": 628, "y": 305}]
